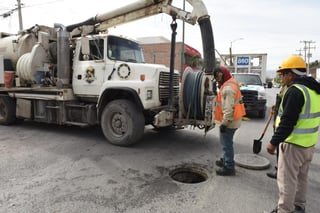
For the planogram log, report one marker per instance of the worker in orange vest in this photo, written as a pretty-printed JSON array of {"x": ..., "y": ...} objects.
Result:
[{"x": 229, "y": 110}]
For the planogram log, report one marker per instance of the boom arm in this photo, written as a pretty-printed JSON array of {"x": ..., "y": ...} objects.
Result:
[
  {"x": 145, "y": 8},
  {"x": 142, "y": 9}
]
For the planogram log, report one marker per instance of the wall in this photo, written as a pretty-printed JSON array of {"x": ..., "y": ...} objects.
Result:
[{"x": 157, "y": 50}]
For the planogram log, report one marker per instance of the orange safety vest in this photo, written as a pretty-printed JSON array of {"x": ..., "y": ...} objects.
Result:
[{"x": 239, "y": 110}]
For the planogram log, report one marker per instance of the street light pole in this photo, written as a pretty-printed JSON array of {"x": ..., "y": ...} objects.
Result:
[{"x": 230, "y": 49}]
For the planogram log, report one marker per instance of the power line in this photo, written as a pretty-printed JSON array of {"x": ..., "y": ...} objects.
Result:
[
  {"x": 44, "y": 3},
  {"x": 18, "y": 8},
  {"x": 299, "y": 50},
  {"x": 6, "y": 5},
  {"x": 8, "y": 13}
]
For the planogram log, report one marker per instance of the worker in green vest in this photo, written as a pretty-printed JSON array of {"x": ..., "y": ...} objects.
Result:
[{"x": 296, "y": 133}]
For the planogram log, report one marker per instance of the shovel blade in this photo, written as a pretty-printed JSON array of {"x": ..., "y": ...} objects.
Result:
[{"x": 256, "y": 146}]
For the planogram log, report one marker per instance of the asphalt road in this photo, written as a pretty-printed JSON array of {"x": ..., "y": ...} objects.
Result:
[{"x": 48, "y": 168}]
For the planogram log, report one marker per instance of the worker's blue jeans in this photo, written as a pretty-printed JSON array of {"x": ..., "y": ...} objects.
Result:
[{"x": 226, "y": 139}]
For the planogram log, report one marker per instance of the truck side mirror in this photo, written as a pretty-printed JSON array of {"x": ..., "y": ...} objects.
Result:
[{"x": 85, "y": 49}]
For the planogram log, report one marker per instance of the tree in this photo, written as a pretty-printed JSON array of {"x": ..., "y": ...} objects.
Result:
[{"x": 196, "y": 61}]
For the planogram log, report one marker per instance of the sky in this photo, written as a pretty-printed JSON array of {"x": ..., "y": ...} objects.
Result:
[{"x": 276, "y": 27}]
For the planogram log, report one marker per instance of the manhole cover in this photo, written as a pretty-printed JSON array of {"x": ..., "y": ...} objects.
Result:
[
  {"x": 188, "y": 175},
  {"x": 251, "y": 161}
]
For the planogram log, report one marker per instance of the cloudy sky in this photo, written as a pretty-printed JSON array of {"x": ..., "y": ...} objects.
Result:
[{"x": 275, "y": 27}]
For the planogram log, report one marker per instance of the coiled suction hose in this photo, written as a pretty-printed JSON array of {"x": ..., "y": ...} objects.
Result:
[{"x": 192, "y": 95}]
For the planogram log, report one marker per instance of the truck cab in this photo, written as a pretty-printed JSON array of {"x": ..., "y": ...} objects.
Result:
[
  {"x": 110, "y": 71},
  {"x": 115, "y": 65}
]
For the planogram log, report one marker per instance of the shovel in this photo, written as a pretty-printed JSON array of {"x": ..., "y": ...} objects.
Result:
[{"x": 257, "y": 142}]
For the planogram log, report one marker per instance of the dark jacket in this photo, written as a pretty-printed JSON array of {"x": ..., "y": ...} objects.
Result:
[{"x": 293, "y": 102}]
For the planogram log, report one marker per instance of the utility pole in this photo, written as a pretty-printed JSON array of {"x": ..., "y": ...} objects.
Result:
[
  {"x": 7, "y": 14},
  {"x": 221, "y": 57},
  {"x": 20, "y": 16},
  {"x": 307, "y": 54}
]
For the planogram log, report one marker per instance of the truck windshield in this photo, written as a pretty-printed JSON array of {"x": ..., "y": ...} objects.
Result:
[
  {"x": 247, "y": 79},
  {"x": 124, "y": 50}
]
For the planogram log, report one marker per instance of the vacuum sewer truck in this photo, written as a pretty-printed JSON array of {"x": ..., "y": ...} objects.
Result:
[{"x": 81, "y": 75}]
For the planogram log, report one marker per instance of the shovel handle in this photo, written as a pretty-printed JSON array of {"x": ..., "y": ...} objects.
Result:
[
  {"x": 257, "y": 143},
  {"x": 268, "y": 122}
]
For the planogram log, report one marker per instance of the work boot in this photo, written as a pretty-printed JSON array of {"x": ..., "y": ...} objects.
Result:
[
  {"x": 298, "y": 209},
  {"x": 274, "y": 210},
  {"x": 273, "y": 174},
  {"x": 220, "y": 162},
  {"x": 224, "y": 171}
]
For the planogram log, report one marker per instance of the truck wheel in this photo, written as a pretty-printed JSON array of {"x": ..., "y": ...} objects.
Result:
[
  {"x": 7, "y": 110},
  {"x": 122, "y": 123}
]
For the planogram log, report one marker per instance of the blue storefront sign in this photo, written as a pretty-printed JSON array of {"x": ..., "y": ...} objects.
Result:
[{"x": 243, "y": 61}]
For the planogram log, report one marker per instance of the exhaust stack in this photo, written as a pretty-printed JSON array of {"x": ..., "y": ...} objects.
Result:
[{"x": 63, "y": 59}]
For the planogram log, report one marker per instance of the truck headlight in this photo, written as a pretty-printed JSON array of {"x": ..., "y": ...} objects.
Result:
[
  {"x": 149, "y": 94},
  {"x": 261, "y": 96}
]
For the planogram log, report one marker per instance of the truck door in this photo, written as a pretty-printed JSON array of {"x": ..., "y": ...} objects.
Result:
[{"x": 89, "y": 69}]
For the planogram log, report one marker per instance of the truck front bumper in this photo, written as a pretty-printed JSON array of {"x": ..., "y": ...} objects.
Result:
[{"x": 258, "y": 106}]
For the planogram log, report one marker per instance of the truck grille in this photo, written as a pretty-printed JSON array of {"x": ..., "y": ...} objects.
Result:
[
  {"x": 249, "y": 96},
  {"x": 164, "y": 86}
]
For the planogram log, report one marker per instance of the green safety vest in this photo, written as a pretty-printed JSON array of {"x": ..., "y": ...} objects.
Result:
[{"x": 305, "y": 132}]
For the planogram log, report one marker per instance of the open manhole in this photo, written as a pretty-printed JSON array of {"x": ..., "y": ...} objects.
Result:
[{"x": 188, "y": 175}]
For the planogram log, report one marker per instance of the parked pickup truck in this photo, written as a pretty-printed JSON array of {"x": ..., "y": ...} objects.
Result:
[{"x": 253, "y": 91}]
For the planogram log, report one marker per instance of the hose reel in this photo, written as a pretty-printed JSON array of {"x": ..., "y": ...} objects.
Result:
[{"x": 194, "y": 87}]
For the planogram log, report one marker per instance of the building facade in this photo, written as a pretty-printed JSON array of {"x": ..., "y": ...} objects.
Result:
[
  {"x": 157, "y": 50},
  {"x": 246, "y": 63}
]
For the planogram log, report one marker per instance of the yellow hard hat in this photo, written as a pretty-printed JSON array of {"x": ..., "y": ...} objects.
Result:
[{"x": 292, "y": 62}]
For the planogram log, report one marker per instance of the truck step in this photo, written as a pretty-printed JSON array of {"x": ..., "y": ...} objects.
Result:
[
  {"x": 76, "y": 124},
  {"x": 76, "y": 105},
  {"x": 53, "y": 107}
]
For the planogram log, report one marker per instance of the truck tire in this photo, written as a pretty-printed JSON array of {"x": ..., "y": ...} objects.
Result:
[
  {"x": 122, "y": 123},
  {"x": 7, "y": 110}
]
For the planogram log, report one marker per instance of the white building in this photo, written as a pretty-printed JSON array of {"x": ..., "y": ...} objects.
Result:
[{"x": 246, "y": 63}]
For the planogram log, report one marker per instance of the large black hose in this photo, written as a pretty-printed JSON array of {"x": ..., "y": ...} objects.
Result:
[
  {"x": 207, "y": 44},
  {"x": 192, "y": 95}
]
